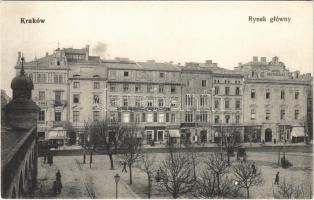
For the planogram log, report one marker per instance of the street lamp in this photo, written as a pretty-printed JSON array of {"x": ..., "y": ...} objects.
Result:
[{"x": 116, "y": 179}]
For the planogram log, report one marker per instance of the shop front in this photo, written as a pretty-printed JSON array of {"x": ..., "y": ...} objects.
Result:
[{"x": 155, "y": 135}]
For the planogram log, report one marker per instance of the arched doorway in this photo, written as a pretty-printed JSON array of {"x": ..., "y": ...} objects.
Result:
[{"x": 268, "y": 135}]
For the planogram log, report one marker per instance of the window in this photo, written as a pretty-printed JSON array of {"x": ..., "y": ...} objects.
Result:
[
  {"x": 113, "y": 117},
  {"x": 143, "y": 117},
  {"x": 125, "y": 101},
  {"x": 76, "y": 115},
  {"x": 76, "y": 84},
  {"x": 267, "y": 94},
  {"x": 189, "y": 83},
  {"x": 96, "y": 85},
  {"x": 58, "y": 96},
  {"x": 189, "y": 99},
  {"x": 173, "y": 89},
  {"x": 113, "y": 101},
  {"x": 173, "y": 117},
  {"x": 203, "y": 116},
  {"x": 150, "y": 117},
  {"x": 126, "y": 74},
  {"x": 149, "y": 103},
  {"x": 167, "y": 117},
  {"x": 217, "y": 102},
  {"x": 41, "y": 115},
  {"x": 227, "y": 117},
  {"x": 267, "y": 115},
  {"x": 188, "y": 116},
  {"x": 96, "y": 98},
  {"x": 57, "y": 116},
  {"x": 237, "y": 119},
  {"x": 204, "y": 83},
  {"x": 238, "y": 104},
  {"x": 237, "y": 91},
  {"x": 58, "y": 63},
  {"x": 96, "y": 116},
  {"x": 137, "y": 117},
  {"x": 76, "y": 98},
  {"x": 174, "y": 101},
  {"x": 112, "y": 74},
  {"x": 155, "y": 117},
  {"x": 296, "y": 114},
  {"x": 253, "y": 94},
  {"x": 125, "y": 87},
  {"x": 282, "y": 94},
  {"x": 112, "y": 87},
  {"x": 282, "y": 114},
  {"x": 57, "y": 78},
  {"x": 161, "y": 88},
  {"x": 296, "y": 95},
  {"x": 137, "y": 87},
  {"x": 227, "y": 90},
  {"x": 227, "y": 104},
  {"x": 161, "y": 75},
  {"x": 216, "y": 90},
  {"x": 253, "y": 114},
  {"x": 41, "y": 78},
  {"x": 161, "y": 102},
  {"x": 126, "y": 117},
  {"x": 41, "y": 96},
  {"x": 137, "y": 102},
  {"x": 161, "y": 118},
  {"x": 149, "y": 88},
  {"x": 217, "y": 119},
  {"x": 203, "y": 100}
]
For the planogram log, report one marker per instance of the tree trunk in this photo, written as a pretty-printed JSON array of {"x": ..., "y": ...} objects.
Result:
[
  {"x": 130, "y": 172},
  {"x": 218, "y": 184},
  {"x": 149, "y": 186},
  {"x": 247, "y": 193},
  {"x": 111, "y": 160},
  {"x": 174, "y": 195}
]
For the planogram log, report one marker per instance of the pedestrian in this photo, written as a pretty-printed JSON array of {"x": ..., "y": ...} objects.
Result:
[
  {"x": 277, "y": 179},
  {"x": 45, "y": 157},
  {"x": 124, "y": 167},
  {"x": 84, "y": 158},
  {"x": 90, "y": 159},
  {"x": 58, "y": 176},
  {"x": 253, "y": 168},
  {"x": 285, "y": 141},
  {"x": 55, "y": 188},
  {"x": 49, "y": 157}
]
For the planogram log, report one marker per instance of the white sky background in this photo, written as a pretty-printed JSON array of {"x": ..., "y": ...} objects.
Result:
[{"x": 164, "y": 31}]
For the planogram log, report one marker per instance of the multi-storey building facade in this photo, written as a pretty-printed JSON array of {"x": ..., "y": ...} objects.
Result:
[
  {"x": 198, "y": 102},
  {"x": 275, "y": 100}
]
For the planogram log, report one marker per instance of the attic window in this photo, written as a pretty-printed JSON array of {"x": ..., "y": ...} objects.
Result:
[
  {"x": 76, "y": 75},
  {"x": 126, "y": 74},
  {"x": 96, "y": 76}
]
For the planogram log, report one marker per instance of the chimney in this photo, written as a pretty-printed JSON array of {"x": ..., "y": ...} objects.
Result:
[
  {"x": 215, "y": 64},
  {"x": 255, "y": 58},
  {"x": 87, "y": 52},
  {"x": 275, "y": 59},
  {"x": 171, "y": 62},
  {"x": 239, "y": 64},
  {"x": 263, "y": 59},
  {"x": 47, "y": 53},
  {"x": 209, "y": 62}
]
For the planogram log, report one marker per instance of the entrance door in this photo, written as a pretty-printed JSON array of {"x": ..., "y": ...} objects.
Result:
[
  {"x": 268, "y": 135},
  {"x": 203, "y": 136},
  {"x": 160, "y": 135}
]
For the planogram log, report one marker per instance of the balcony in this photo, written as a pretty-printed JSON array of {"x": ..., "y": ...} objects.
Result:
[
  {"x": 59, "y": 103},
  {"x": 59, "y": 123}
]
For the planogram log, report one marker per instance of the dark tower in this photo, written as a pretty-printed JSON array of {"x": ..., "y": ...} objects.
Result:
[{"x": 21, "y": 112}]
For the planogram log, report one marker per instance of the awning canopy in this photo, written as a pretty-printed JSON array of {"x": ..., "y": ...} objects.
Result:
[
  {"x": 174, "y": 133},
  {"x": 58, "y": 133},
  {"x": 298, "y": 132}
]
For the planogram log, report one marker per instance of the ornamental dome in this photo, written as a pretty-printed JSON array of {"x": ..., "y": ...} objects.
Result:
[{"x": 21, "y": 81}]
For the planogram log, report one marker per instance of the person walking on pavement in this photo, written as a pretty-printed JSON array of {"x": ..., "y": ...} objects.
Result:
[
  {"x": 90, "y": 159},
  {"x": 253, "y": 168},
  {"x": 84, "y": 157},
  {"x": 277, "y": 179},
  {"x": 45, "y": 157},
  {"x": 124, "y": 167},
  {"x": 58, "y": 175}
]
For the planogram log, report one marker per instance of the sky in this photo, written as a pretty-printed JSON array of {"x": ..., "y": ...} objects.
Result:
[{"x": 163, "y": 31}]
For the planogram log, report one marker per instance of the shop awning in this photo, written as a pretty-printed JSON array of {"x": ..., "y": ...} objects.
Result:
[
  {"x": 58, "y": 133},
  {"x": 298, "y": 132},
  {"x": 174, "y": 133}
]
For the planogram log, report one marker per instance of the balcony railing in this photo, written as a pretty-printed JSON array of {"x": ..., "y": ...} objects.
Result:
[
  {"x": 59, "y": 102},
  {"x": 59, "y": 123}
]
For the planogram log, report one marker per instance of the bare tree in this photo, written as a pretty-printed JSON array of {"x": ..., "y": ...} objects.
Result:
[
  {"x": 218, "y": 167},
  {"x": 246, "y": 177},
  {"x": 230, "y": 141},
  {"x": 105, "y": 135},
  {"x": 176, "y": 174},
  {"x": 131, "y": 146},
  {"x": 147, "y": 165},
  {"x": 291, "y": 190}
]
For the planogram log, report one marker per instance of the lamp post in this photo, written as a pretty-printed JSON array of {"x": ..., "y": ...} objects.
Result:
[{"x": 116, "y": 179}]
